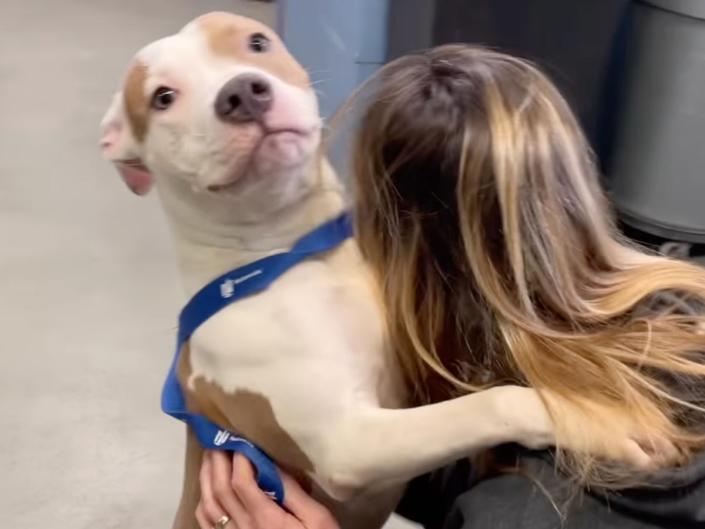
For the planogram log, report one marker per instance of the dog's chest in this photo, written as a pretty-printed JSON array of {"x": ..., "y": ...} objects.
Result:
[
  {"x": 281, "y": 365},
  {"x": 311, "y": 319}
]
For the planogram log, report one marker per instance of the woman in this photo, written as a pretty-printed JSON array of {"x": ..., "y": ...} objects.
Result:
[{"x": 479, "y": 209}]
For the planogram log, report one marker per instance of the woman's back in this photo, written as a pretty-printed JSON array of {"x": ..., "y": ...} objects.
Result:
[{"x": 479, "y": 207}]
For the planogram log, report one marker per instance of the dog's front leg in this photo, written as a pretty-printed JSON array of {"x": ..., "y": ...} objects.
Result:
[
  {"x": 191, "y": 493},
  {"x": 379, "y": 447}
]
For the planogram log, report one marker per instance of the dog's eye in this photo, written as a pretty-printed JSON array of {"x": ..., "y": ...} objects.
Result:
[
  {"x": 163, "y": 98},
  {"x": 259, "y": 43}
]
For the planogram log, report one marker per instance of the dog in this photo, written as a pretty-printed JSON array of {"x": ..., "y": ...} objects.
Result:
[{"x": 224, "y": 121}]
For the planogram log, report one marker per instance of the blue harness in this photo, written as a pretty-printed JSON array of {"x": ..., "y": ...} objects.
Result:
[{"x": 228, "y": 288}]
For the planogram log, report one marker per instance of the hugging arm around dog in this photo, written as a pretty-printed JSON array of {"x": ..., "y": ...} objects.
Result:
[
  {"x": 478, "y": 207},
  {"x": 485, "y": 264}
]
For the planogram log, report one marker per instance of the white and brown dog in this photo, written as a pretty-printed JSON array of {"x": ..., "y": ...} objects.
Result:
[{"x": 225, "y": 121}]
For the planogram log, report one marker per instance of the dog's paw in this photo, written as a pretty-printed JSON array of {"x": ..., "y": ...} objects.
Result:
[{"x": 608, "y": 433}]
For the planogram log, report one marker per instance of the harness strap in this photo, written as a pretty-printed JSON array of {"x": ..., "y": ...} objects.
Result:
[{"x": 231, "y": 287}]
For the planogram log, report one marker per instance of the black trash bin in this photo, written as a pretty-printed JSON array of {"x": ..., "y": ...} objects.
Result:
[{"x": 658, "y": 166}]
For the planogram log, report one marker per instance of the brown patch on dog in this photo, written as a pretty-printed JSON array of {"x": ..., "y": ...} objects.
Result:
[
  {"x": 136, "y": 101},
  {"x": 245, "y": 412},
  {"x": 228, "y": 35}
]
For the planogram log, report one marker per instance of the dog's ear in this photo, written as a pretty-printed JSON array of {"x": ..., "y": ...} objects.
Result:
[{"x": 119, "y": 146}]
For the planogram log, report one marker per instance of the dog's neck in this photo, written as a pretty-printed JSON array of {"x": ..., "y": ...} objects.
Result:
[{"x": 210, "y": 245}]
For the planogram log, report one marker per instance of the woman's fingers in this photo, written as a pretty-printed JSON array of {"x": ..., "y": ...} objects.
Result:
[
  {"x": 312, "y": 514},
  {"x": 305, "y": 512},
  {"x": 221, "y": 472},
  {"x": 202, "y": 519},
  {"x": 230, "y": 489},
  {"x": 300, "y": 504},
  {"x": 211, "y": 509},
  {"x": 263, "y": 511}
]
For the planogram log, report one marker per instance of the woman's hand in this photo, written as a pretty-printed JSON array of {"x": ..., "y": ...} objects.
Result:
[{"x": 229, "y": 489}]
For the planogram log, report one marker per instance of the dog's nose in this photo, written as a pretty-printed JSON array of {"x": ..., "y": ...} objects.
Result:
[{"x": 246, "y": 97}]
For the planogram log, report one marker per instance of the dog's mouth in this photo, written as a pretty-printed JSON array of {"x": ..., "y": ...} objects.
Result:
[
  {"x": 231, "y": 184},
  {"x": 298, "y": 131},
  {"x": 132, "y": 163},
  {"x": 237, "y": 177}
]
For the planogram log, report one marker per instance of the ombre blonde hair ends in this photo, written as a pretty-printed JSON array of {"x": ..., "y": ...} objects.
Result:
[{"x": 479, "y": 208}]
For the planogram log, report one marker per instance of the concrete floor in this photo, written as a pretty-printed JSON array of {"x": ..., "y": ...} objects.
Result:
[{"x": 89, "y": 291}]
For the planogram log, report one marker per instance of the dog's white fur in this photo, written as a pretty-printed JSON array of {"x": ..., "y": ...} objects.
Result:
[{"x": 314, "y": 343}]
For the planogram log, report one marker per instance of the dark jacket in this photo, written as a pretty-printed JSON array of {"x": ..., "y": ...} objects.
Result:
[{"x": 453, "y": 499}]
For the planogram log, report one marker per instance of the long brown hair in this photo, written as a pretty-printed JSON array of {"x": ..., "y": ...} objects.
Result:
[{"x": 479, "y": 209}]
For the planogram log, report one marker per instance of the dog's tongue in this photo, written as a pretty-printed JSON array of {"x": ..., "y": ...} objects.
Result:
[{"x": 136, "y": 176}]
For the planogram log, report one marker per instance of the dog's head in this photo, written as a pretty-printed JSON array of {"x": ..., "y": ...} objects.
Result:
[{"x": 221, "y": 106}]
